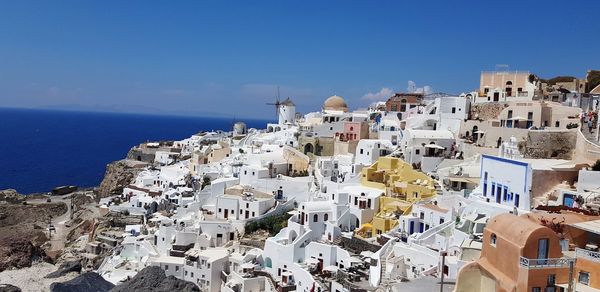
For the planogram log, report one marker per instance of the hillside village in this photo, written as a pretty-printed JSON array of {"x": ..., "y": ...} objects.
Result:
[{"x": 496, "y": 189}]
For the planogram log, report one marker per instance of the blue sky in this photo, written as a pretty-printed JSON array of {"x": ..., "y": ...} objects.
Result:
[{"x": 228, "y": 57}]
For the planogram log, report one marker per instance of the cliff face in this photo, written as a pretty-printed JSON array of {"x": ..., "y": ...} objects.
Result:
[{"x": 118, "y": 175}]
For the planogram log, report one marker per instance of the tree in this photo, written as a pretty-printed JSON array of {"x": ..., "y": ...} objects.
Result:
[
  {"x": 596, "y": 166},
  {"x": 205, "y": 182}
]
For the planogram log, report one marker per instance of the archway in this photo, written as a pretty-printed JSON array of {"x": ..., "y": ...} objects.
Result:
[
  {"x": 508, "y": 88},
  {"x": 293, "y": 236},
  {"x": 309, "y": 148},
  {"x": 269, "y": 129},
  {"x": 268, "y": 262},
  {"x": 474, "y": 133}
]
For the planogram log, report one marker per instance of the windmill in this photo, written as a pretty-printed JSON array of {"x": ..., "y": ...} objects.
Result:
[{"x": 277, "y": 104}]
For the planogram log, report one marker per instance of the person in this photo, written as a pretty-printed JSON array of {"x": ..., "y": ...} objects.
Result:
[{"x": 590, "y": 123}]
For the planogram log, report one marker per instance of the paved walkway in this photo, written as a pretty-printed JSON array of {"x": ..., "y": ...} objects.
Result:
[{"x": 590, "y": 136}]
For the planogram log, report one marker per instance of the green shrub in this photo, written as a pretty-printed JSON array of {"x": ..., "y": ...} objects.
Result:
[{"x": 272, "y": 224}]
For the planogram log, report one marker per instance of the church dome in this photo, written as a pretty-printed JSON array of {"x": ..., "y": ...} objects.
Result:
[{"x": 335, "y": 103}]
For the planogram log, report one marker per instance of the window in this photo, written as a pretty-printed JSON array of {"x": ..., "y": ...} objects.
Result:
[
  {"x": 166, "y": 267},
  {"x": 176, "y": 268},
  {"x": 326, "y": 217},
  {"x": 453, "y": 110},
  {"x": 315, "y": 218},
  {"x": 530, "y": 115},
  {"x": 551, "y": 280},
  {"x": 485, "y": 177},
  {"x": 417, "y": 151},
  {"x": 441, "y": 221},
  {"x": 422, "y": 216},
  {"x": 536, "y": 289},
  {"x": 493, "y": 239},
  {"x": 584, "y": 278},
  {"x": 361, "y": 151}
]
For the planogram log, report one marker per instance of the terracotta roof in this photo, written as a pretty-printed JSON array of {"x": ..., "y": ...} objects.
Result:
[
  {"x": 515, "y": 229},
  {"x": 435, "y": 208}
]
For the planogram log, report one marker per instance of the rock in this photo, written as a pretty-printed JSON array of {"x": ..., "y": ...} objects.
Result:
[
  {"x": 118, "y": 175},
  {"x": 65, "y": 268},
  {"x": 18, "y": 253},
  {"x": 87, "y": 282},
  {"x": 9, "y": 288},
  {"x": 154, "y": 279},
  {"x": 11, "y": 196}
]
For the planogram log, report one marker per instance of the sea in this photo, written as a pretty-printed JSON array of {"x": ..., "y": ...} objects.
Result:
[{"x": 43, "y": 149}]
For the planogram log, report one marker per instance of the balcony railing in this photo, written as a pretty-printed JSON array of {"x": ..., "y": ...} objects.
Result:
[
  {"x": 587, "y": 254},
  {"x": 544, "y": 263}
]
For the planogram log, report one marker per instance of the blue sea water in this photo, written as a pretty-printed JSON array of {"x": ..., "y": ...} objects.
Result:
[{"x": 42, "y": 149}]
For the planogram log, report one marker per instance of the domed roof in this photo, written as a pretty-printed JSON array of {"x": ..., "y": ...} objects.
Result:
[{"x": 335, "y": 103}]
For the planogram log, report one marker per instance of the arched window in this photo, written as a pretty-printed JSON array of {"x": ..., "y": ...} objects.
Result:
[
  {"x": 403, "y": 105},
  {"x": 315, "y": 218},
  {"x": 326, "y": 217},
  {"x": 268, "y": 262}
]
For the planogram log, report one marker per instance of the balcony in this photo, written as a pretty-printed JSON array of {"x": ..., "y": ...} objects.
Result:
[
  {"x": 544, "y": 263},
  {"x": 587, "y": 255}
]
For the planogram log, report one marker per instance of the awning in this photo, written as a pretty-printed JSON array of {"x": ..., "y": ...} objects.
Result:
[
  {"x": 434, "y": 146},
  {"x": 464, "y": 179},
  {"x": 518, "y": 118},
  {"x": 589, "y": 226}
]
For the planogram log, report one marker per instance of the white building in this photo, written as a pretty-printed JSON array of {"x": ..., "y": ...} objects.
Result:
[
  {"x": 369, "y": 150},
  {"x": 204, "y": 268},
  {"x": 506, "y": 181},
  {"x": 241, "y": 204},
  {"x": 427, "y": 148},
  {"x": 423, "y": 217}
]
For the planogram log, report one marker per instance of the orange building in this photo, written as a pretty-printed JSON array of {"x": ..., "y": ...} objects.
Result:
[{"x": 532, "y": 252}]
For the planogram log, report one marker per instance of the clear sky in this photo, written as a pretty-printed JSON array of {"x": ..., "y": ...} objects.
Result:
[{"x": 210, "y": 57}]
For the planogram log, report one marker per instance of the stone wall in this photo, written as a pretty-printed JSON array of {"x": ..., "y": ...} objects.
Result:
[
  {"x": 358, "y": 245},
  {"x": 141, "y": 154},
  {"x": 550, "y": 144},
  {"x": 486, "y": 111}
]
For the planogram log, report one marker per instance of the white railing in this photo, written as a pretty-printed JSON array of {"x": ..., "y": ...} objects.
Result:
[
  {"x": 544, "y": 263},
  {"x": 587, "y": 254}
]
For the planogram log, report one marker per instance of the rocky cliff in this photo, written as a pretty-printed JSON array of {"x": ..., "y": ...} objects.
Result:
[
  {"x": 118, "y": 175},
  {"x": 154, "y": 279}
]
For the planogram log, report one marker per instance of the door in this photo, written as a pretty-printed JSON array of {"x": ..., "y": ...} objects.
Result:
[
  {"x": 411, "y": 229},
  {"x": 225, "y": 214},
  {"x": 542, "y": 250},
  {"x": 568, "y": 200},
  {"x": 517, "y": 200},
  {"x": 498, "y": 194},
  {"x": 421, "y": 226}
]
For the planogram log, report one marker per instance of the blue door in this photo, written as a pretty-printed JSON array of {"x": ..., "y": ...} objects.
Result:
[
  {"x": 568, "y": 200},
  {"x": 421, "y": 225},
  {"x": 411, "y": 229}
]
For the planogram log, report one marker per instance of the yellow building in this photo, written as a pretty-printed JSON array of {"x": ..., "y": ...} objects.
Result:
[{"x": 403, "y": 186}]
